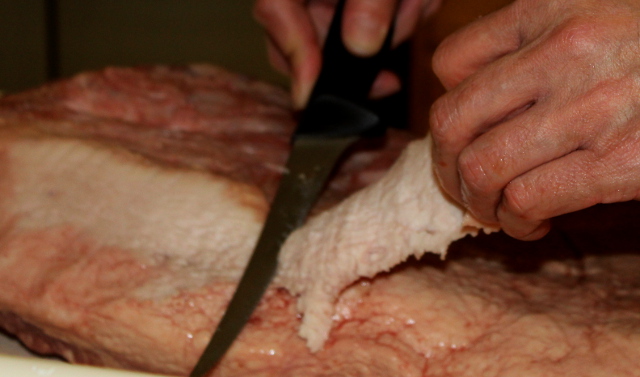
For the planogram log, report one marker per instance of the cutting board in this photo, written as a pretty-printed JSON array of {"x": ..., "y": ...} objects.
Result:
[{"x": 16, "y": 361}]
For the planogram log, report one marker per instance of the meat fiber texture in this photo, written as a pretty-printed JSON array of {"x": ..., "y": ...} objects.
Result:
[
  {"x": 131, "y": 199},
  {"x": 404, "y": 214}
]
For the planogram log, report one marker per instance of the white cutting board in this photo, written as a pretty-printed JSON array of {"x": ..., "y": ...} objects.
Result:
[{"x": 16, "y": 361}]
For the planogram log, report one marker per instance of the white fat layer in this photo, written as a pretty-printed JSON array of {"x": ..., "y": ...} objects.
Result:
[
  {"x": 405, "y": 213},
  {"x": 204, "y": 227},
  {"x": 187, "y": 220}
]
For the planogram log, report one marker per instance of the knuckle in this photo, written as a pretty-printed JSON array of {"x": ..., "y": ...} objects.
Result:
[
  {"x": 517, "y": 199},
  {"x": 613, "y": 98},
  {"x": 441, "y": 121},
  {"x": 475, "y": 171},
  {"x": 578, "y": 36}
]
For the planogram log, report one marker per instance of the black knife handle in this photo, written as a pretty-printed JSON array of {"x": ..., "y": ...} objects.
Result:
[
  {"x": 345, "y": 80},
  {"x": 343, "y": 74}
]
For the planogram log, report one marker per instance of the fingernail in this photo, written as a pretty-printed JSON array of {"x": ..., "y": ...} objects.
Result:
[
  {"x": 303, "y": 80},
  {"x": 364, "y": 36},
  {"x": 300, "y": 95},
  {"x": 385, "y": 85}
]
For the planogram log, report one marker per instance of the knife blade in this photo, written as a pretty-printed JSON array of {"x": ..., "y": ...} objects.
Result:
[{"x": 335, "y": 118}]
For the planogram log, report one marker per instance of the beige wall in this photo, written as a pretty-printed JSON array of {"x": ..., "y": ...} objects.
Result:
[{"x": 97, "y": 33}]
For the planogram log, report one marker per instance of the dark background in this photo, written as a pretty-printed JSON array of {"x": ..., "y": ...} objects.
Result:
[
  {"x": 41, "y": 39},
  {"x": 96, "y": 33}
]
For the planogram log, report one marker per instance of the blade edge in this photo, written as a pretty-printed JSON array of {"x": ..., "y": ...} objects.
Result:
[{"x": 309, "y": 165}]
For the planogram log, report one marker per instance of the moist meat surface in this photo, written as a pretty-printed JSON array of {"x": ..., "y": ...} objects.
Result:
[
  {"x": 403, "y": 214},
  {"x": 131, "y": 198}
]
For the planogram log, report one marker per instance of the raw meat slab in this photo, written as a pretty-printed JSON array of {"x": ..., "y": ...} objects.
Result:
[{"x": 131, "y": 199}]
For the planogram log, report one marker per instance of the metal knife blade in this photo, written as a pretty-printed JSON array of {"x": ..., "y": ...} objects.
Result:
[
  {"x": 333, "y": 120},
  {"x": 309, "y": 164}
]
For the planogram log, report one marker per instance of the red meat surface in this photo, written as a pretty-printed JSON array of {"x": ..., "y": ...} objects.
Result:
[{"x": 131, "y": 199}]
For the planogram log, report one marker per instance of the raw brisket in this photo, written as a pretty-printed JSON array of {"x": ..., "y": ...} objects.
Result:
[{"x": 132, "y": 197}]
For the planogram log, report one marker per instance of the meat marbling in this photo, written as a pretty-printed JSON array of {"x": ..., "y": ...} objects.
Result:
[{"x": 131, "y": 198}]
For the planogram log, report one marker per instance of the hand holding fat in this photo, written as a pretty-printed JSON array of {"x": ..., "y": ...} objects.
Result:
[{"x": 542, "y": 114}]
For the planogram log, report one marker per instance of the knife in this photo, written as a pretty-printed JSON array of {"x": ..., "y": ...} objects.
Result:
[{"x": 334, "y": 119}]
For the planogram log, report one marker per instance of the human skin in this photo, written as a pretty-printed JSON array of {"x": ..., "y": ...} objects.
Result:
[
  {"x": 296, "y": 29},
  {"x": 542, "y": 111}
]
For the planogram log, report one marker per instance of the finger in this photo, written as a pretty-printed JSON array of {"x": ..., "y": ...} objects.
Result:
[
  {"x": 277, "y": 58},
  {"x": 409, "y": 14},
  {"x": 495, "y": 94},
  {"x": 386, "y": 84},
  {"x": 554, "y": 127},
  {"x": 478, "y": 44},
  {"x": 571, "y": 183},
  {"x": 542, "y": 134},
  {"x": 321, "y": 13},
  {"x": 366, "y": 22},
  {"x": 289, "y": 26},
  {"x": 503, "y": 153},
  {"x": 365, "y": 25}
]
